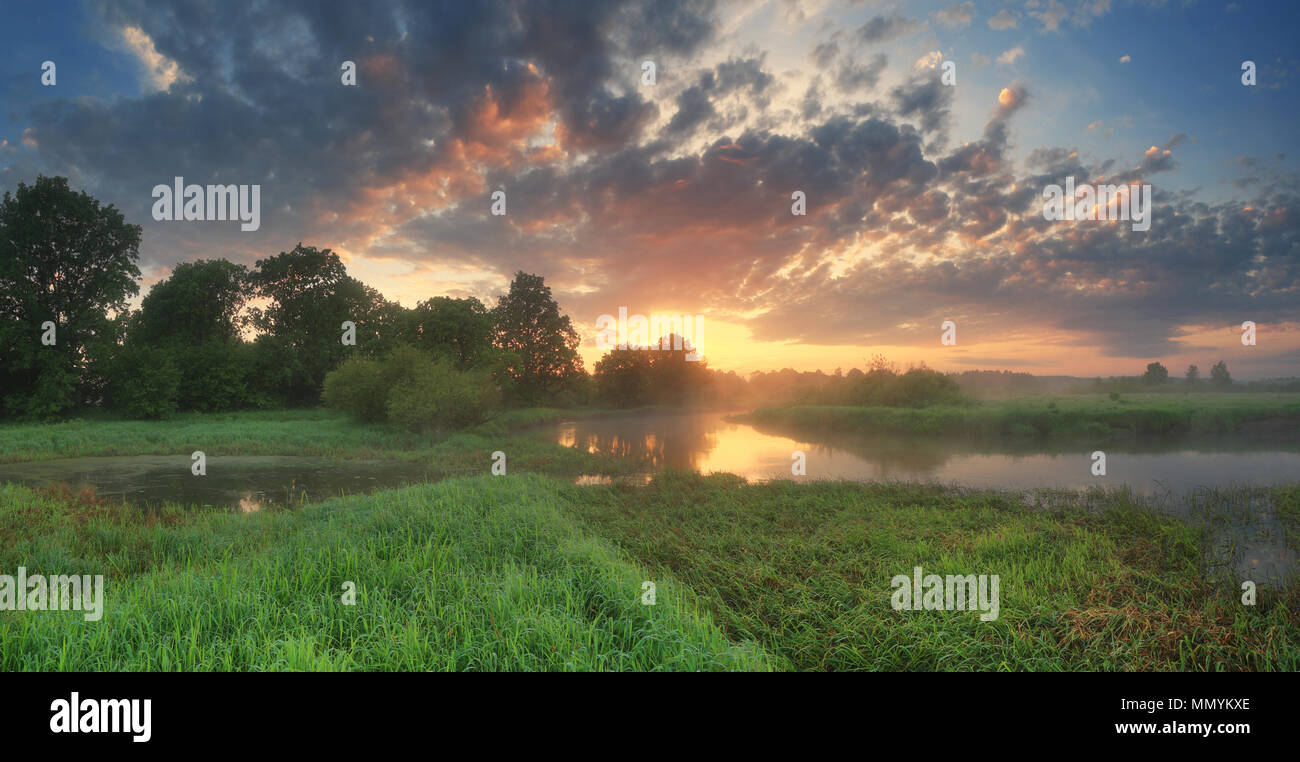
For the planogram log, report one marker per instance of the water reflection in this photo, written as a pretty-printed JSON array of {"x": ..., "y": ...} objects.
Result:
[
  {"x": 706, "y": 442},
  {"x": 1246, "y": 535},
  {"x": 240, "y": 484}
]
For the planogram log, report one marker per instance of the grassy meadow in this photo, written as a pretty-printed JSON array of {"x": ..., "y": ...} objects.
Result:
[
  {"x": 1096, "y": 417},
  {"x": 531, "y": 572}
]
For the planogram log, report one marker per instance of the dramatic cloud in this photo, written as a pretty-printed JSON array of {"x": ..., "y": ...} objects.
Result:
[{"x": 678, "y": 194}]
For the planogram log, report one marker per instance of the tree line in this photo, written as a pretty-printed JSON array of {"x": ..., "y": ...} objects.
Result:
[
  {"x": 216, "y": 335},
  {"x": 295, "y": 329}
]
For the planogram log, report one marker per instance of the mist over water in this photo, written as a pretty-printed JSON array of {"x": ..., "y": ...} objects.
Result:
[{"x": 707, "y": 442}]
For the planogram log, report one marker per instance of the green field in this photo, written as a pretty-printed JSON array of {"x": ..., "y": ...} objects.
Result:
[
  {"x": 305, "y": 432},
  {"x": 531, "y": 572},
  {"x": 1089, "y": 416}
]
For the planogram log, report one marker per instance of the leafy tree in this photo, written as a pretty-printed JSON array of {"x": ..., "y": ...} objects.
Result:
[
  {"x": 1156, "y": 374},
  {"x": 145, "y": 382},
  {"x": 199, "y": 303},
  {"x": 676, "y": 379},
  {"x": 460, "y": 329},
  {"x": 654, "y": 375},
  {"x": 622, "y": 377},
  {"x": 311, "y": 297},
  {"x": 66, "y": 259},
  {"x": 541, "y": 343},
  {"x": 1219, "y": 375},
  {"x": 1193, "y": 375}
]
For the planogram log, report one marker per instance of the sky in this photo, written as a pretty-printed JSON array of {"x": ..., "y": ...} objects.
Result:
[{"x": 923, "y": 194}]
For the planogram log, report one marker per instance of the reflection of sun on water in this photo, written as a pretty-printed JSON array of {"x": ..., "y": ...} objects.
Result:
[{"x": 743, "y": 451}]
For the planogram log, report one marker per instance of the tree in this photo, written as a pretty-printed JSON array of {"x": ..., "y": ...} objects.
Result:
[
  {"x": 460, "y": 329},
  {"x": 311, "y": 296},
  {"x": 674, "y": 378},
  {"x": 199, "y": 303},
  {"x": 1193, "y": 375},
  {"x": 194, "y": 318},
  {"x": 622, "y": 377},
  {"x": 1219, "y": 375},
  {"x": 541, "y": 344},
  {"x": 1156, "y": 374},
  {"x": 69, "y": 261}
]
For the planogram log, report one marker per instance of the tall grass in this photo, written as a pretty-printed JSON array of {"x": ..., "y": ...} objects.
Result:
[
  {"x": 805, "y": 570},
  {"x": 480, "y": 574}
]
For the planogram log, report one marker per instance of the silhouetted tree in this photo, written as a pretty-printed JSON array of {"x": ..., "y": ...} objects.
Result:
[
  {"x": 1219, "y": 375},
  {"x": 199, "y": 303},
  {"x": 311, "y": 296},
  {"x": 67, "y": 260},
  {"x": 541, "y": 345},
  {"x": 1156, "y": 374},
  {"x": 460, "y": 329}
]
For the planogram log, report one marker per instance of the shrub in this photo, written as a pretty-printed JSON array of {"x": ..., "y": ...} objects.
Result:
[
  {"x": 54, "y": 394},
  {"x": 411, "y": 388},
  {"x": 442, "y": 398},
  {"x": 214, "y": 376},
  {"x": 145, "y": 382},
  {"x": 357, "y": 388}
]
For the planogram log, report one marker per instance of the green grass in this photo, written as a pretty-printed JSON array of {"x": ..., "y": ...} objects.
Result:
[
  {"x": 319, "y": 433},
  {"x": 1088, "y": 416},
  {"x": 530, "y": 572},
  {"x": 805, "y": 569},
  {"x": 471, "y": 574}
]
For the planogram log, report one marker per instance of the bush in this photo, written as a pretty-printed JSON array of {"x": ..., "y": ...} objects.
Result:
[
  {"x": 411, "y": 388},
  {"x": 357, "y": 388},
  {"x": 54, "y": 395},
  {"x": 214, "y": 376},
  {"x": 442, "y": 398},
  {"x": 145, "y": 382}
]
